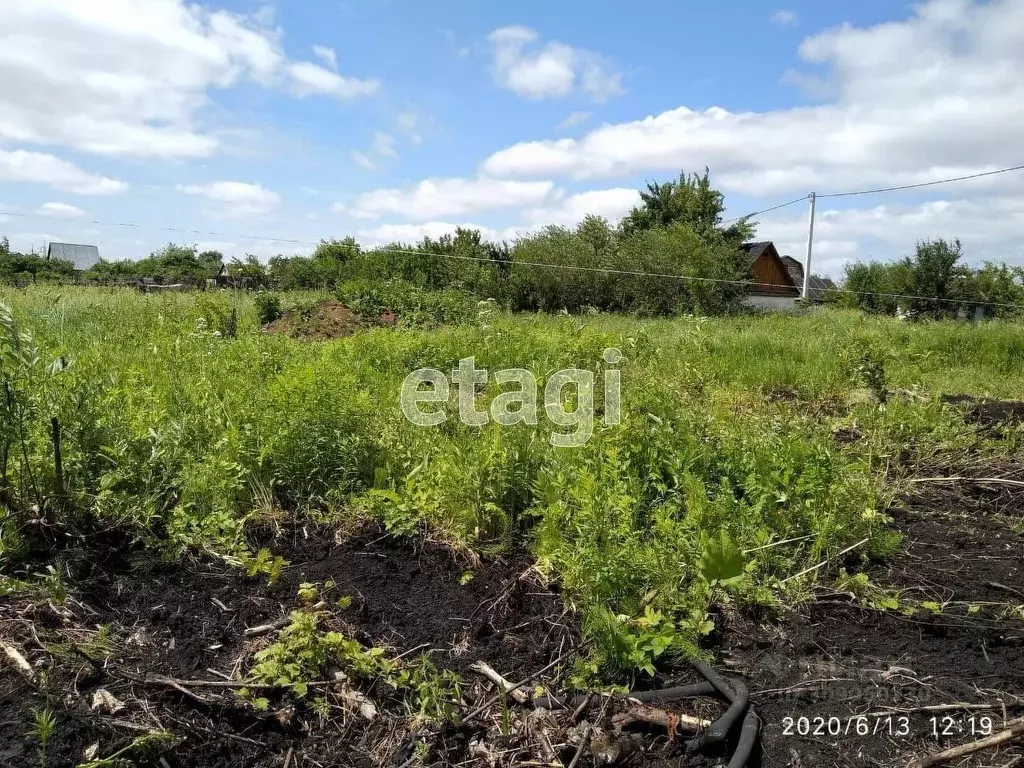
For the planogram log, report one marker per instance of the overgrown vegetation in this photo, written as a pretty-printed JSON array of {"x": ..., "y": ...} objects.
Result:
[
  {"x": 182, "y": 437},
  {"x": 935, "y": 283}
]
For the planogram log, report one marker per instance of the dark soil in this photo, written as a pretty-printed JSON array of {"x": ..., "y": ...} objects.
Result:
[
  {"x": 186, "y": 623},
  {"x": 328, "y": 319},
  {"x": 990, "y": 414},
  {"x": 835, "y": 659}
]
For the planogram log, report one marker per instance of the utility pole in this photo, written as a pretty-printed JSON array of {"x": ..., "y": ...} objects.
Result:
[{"x": 810, "y": 246}]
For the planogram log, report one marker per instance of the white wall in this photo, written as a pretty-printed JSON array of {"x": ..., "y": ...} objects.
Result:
[{"x": 771, "y": 303}]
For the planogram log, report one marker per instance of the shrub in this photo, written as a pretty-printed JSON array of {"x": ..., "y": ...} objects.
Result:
[{"x": 268, "y": 307}]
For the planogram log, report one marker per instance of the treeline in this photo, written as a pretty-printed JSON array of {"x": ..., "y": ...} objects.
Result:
[
  {"x": 934, "y": 283},
  {"x": 671, "y": 254},
  {"x": 676, "y": 230}
]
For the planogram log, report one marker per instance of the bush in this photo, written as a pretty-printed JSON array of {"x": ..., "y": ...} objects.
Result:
[{"x": 268, "y": 307}]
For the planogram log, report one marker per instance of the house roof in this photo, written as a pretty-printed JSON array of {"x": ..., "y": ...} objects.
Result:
[
  {"x": 82, "y": 256},
  {"x": 816, "y": 286},
  {"x": 756, "y": 250},
  {"x": 765, "y": 249}
]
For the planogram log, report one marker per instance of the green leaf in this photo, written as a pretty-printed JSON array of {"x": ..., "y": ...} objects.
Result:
[{"x": 722, "y": 560}]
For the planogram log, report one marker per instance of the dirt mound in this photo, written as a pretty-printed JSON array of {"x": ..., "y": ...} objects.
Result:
[
  {"x": 988, "y": 413},
  {"x": 328, "y": 319}
]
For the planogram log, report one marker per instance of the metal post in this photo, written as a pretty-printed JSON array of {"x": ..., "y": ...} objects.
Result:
[{"x": 810, "y": 245}]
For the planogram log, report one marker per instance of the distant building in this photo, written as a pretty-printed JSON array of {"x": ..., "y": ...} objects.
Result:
[
  {"x": 779, "y": 280},
  {"x": 774, "y": 287},
  {"x": 81, "y": 256}
]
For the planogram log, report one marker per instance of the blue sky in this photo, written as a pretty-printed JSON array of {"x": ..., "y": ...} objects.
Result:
[{"x": 393, "y": 118}]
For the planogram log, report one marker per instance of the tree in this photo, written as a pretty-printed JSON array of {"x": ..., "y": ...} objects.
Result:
[
  {"x": 933, "y": 283},
  {"x": 250, "y": 270},
  {"x": 938, "y": 281},
  {"x": 691, "y": 200}
]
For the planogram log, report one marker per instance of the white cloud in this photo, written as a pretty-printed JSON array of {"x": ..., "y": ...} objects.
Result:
[
  {"x": 327, "y": 55},
  {"x": 310, "y": 79},
  {"x": 939, "y": 94},
  {"x": 132, "y": 77},
  {"x": 36, "y": 167},
  {"x": 552, "y": 70},
  {"x": 235, "y": 198},
  {"x": 383, "y": 145},
  {"x": 363, "y": 161},
  {"x": 573, "y": 119},
  {"x": 60, "y": 211},
  {"x": 434, "y": 198},
  {"x": 612, "y": 204},
  {"x": 407, "y": 121},
  {"x": 784, "y": 18}
]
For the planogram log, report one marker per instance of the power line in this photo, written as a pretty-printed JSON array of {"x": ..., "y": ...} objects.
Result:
[
  {"x": 724, "y": 221},
  {"x": 877, "y": 191},
  {"x": 766, "y": 210},
  {"x": 607, "y": 270},
  {"x": 923, "y": 184}
]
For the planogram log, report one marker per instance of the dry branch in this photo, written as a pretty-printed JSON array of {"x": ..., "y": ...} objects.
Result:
[
  {"x": 1013, "y": 730},
  {"x": 672, "y": 722},
  {"x": 996, "y": 480},
  {"x": 263, "y": 629},
  {"x": 484, "y": 669}
]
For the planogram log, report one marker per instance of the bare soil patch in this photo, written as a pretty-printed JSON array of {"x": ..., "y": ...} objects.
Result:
[
  {"x": 187, "y": 622},
  {"x": 328, "y": 319},
  {"x": 987, "y": 413},
  {"x": 844, "y": 667}
]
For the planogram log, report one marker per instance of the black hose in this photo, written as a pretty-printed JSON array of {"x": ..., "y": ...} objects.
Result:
[
  {"x": 716, "y": 734},
  {"x": 748, "y": 738},
  {"x": 733, "y": 691},
  {"x": 739, "y": 697}
]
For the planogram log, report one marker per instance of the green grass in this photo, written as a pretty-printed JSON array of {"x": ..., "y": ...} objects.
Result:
[{"x": 726, "y": 443}]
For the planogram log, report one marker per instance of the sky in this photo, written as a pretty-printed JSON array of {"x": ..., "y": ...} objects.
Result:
[{"x": 394, "y": 119}]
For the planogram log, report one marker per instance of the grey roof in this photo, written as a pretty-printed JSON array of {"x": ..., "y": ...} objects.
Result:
[
  {"x": 755, "y": 250},
  {"x": 82, "y": 256},
  {"x": 816, "y": 286}
]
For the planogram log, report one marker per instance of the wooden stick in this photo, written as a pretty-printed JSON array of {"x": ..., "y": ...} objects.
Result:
[
  {"x": 584, "y": 743},
  {"x": 491, "y": 701},
  {"x": 263, "y": 629},
  {"x": 1014, "y": 729},
  {"x": 484, "y": 669},
  {"x": 671, "y": 721}
]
